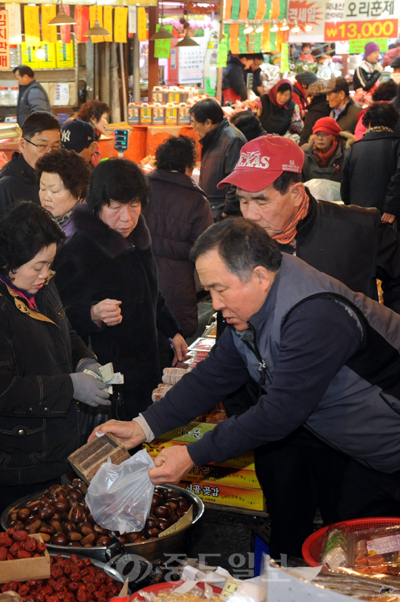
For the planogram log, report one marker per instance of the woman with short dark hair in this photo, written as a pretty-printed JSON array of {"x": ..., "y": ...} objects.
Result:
[
  {"x": 96, "y": 113},
  {"x": 63, "y": 177},
  {"x": 107, "y": 278},
  {"x": 279, "y": 114},
  {"x": 178, "y": 213},
  {"x": 371, "y": 173},
  {"x": 42, "y": 359},
  {"x": 248, "y": 123}
]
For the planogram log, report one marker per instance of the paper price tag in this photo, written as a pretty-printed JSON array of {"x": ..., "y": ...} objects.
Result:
[{"x": 230, "y": 588}]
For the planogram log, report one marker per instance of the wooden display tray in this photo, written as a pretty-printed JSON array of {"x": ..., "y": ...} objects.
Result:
[
  {"x": 23, "y": 569},
  {"x": 87, "y": 460}
]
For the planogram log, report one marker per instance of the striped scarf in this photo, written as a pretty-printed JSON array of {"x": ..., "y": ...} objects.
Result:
[{"x": 288, "y": 235}]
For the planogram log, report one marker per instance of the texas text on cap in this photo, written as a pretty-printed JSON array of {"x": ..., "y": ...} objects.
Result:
[
  {"x": 262, "y": 161},
  {"x": 77, "y": 135}
]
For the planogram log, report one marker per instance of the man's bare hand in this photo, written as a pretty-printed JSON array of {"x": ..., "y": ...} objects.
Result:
[
  {"x": 171, "y": 465},
  {"x": 129, "y": 433},
  {"x": 107, "y": 311}
]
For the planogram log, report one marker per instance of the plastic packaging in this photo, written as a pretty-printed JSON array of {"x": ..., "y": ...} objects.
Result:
[
  {"x": 334, "y": 555},
  {"x": 375, "y": 550},
  {"x": 324, "y": 190},
  {"x": 119, "y": 497}
]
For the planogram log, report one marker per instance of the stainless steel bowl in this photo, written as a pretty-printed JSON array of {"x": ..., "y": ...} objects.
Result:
[{"x": 151, "y": 550}]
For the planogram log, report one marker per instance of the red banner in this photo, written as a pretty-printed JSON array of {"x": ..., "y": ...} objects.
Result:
[
  {"x": 4, "y": 41},
  {"x": 65, "y": 30},
  {"x": 81, "y": 16},
  {"x": 344, "y": 31}
]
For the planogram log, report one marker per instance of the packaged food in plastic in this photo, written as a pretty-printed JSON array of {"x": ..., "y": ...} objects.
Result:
[
  {"x": 119, "y": 497},
  {"x": 335, "y": 555}
]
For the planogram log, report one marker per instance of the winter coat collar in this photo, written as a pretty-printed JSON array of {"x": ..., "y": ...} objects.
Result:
[
  {"x": 368, "y": 136},
  {"x": 215, "y": 133},
  {"x": 89, "y": 225},
  {"x": 19, "y": 168},
  {"x": 174, "y": 177},
  {"x": 346, "y": 138}
]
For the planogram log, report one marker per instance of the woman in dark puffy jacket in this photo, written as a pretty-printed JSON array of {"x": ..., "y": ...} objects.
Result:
[
  {"x": 279, "y": 113},
  {"x": 176, "y": 216}
]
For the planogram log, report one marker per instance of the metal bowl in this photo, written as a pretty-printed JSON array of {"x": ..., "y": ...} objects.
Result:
[{"x": 151, "y": 550}]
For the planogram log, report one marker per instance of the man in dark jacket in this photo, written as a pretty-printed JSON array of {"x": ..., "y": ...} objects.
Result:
[
  {"x": 283, "y": 323},
  {"x": 40, "y": 135},
  {"x": 221, "y": 143},
  {"x": 255, "y": 71},
  {"x": 31, "y": 96},
  {"x": 371, "y": 172},
  {"x": 177, "y": 214},
  {"x": 234, "y": 86},
  {"x": 347, "y": 243},
  {"x": 343, "y": 108}
]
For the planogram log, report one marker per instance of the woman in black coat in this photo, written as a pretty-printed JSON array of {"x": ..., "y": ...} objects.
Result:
[
  {"x": 107, "y": 278},
  {"x": 41, "y": 359},
  {"x": 177, "y": 214},
  {"x": 279, "y": 113},
  {"x": 371, "y": 172}
]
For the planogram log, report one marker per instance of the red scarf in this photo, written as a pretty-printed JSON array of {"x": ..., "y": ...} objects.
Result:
[
  {"x": 322, "y": 157},
  {"x": 272, "y": 93},
  {"x": 288, "y": 235}
]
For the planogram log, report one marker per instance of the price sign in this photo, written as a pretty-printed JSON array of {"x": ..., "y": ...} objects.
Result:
[{"x": 343, "y": 31}]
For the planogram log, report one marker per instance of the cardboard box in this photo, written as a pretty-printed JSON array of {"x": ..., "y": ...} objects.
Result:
[
  {"x": 23, "y": 569},
  {"x": 87, "y": 460},
  {"x": 222, "y": 475},
  {"x": 250, "y": 499}
]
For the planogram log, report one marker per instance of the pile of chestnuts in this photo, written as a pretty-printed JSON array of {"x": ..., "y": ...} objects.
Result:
[{"x": 62, "y": 517}]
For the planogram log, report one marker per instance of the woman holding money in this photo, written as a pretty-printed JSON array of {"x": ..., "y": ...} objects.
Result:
[
  {"x": 107, "y": 279},
  {"x": 41, "y": 359}
]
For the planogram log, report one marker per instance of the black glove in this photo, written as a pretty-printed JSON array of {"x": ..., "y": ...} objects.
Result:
[{"x": 89, "y": 390}]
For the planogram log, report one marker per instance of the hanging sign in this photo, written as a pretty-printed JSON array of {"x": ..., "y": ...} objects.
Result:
[
  {"x": 32, "y": 28},
  {"x": 307, "y": 12},
  {"x": 222, "y": 52},
  {"x": 234, "y": 38},
  {"x": 266, "y": 38},
  {"x": 49, "y": 61},
  {"x": 162, "y": 48},
  {"x": 49, "y": 34},
  {"x": 81, "y": 16},
  {"x": 357, "y": 46},
  {"x": 284, "y": 57},
  {"x": 141, "y": 24},
  {"x": 353, "y": 30},
  {"x": 65, "y": 30},
  {"x": 108, "y": 22},
  {"x": 4, "y": 41},
  {"x": 360, "y": 10},
  {"x": 96, "y": 12},
  {"x": 121, "y": 24},
  {"x": 14, "y": 23},
  {"x": 132, "y": 17}
]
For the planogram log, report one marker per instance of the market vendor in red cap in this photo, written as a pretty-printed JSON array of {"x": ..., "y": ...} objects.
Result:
[
  {"x": 285, "y": 353},
  {"x": 326, "y": 150}
]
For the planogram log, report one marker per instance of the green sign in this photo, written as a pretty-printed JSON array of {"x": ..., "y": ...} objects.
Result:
[
  {"x": 357, "y": 46},
  {"x": 284, "y": 57},
  {"x": 162, "y": 48},
  {"x": 222, "y": 52}
]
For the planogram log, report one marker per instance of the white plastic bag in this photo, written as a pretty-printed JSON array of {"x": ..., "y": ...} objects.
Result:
[
  {"x": 119, "y": 497},
  {"x": 324, "y": 190}
]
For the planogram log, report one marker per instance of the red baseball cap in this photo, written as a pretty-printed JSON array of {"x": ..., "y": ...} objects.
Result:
[{"x": 262, "y": 161}]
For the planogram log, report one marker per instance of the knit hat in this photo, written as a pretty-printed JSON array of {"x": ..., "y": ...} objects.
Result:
[
  {"x": 262, "y": 161},
  {"x": 327, "y": 125},
  {"x": 306, "y": 78},
  {"x": 395, "y": 64},
  {"x": 370, "y": 48},
  {"x": 77, "y": 135}
]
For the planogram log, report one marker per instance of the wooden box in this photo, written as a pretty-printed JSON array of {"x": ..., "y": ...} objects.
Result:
[
  {"x": 87, "y": 460},
  {"x": 23, "y": 569}
]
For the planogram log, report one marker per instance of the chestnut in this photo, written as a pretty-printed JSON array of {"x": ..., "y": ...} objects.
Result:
[
  {"x": 35, "y": 507},
  {"x": 17, "y": 525},
  {"x": 140, "y": 539},
  {"x": 75, "y": 536},
  {"x": 85, "y": 528},
  {"x": 149, "y": 533},
  {"x": 61, "y": 504},
  {"x": 23, "y": 514},
  {"x": 123, "y": 539},
  {"x": 47, "y": 512},
  {"x": 90, "y": 519},
  {"x": 34, "y": 527},
  {"x": 88, "y": 540},
  {"x": 75, "y": 496},
  {"x": 182, "y": 503},
  {"x": 161, "y": 512},
  {"x": 59, "y": 539},
  {"x": 157, "y": 499},
  {"x": 103, "y": 540},
  {"x": 77, "y": 514},
  {"x": 45, "y": 536},
  {"x": 173, "y": 504},
  {"x": 56, "y": 525},
  {"x": 46, "y": 528},
  {"x": 168, "y": 493},
  {"x": 181, "y": 512},
  {"x": 151, "y": 522},
  {"x": 68, "y": 527},
  {"x": 163, "y": 524},
  {"x": 100, "y": 530}
]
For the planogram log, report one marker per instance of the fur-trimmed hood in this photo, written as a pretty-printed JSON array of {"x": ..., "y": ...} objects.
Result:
[
  {"x": 346, "y": 137},
  {"x": 111, "y": 241}
]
